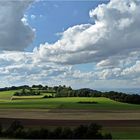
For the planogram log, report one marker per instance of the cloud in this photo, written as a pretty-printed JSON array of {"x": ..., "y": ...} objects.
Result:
[
  {"x": 132, "y": 72},
  {"x": 18, "y": 68},
  {"x": 15, "y": 33},
  {"x": 33, "y": 16},
  {"x": 113, "y": 37}
]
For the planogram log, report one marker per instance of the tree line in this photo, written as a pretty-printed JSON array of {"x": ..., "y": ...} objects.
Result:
[
  {"x": 27, "y": 92},
  {"x": 17, "y": 130},
  {"x": 85, "y": 92}
]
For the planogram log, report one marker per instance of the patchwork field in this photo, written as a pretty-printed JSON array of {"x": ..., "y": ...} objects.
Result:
[
  {"x": 37, "y": 102},
  {"x": 121, "y": 119}
]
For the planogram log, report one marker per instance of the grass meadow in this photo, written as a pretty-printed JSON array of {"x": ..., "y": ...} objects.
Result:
[{"x": 39, "y": 102}]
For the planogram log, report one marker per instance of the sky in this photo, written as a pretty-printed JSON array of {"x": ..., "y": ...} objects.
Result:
[{"x": 92, "y": 44}]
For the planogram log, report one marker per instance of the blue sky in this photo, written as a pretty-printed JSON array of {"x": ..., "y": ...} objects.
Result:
[
  {"x": 57, "y": 16},
  {"x": 91, "y": 44}
]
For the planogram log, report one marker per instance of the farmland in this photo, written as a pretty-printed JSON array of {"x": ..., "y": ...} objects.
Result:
[
  {"x": 121, "y": 119},
  {"x": 37, "y": 102}
]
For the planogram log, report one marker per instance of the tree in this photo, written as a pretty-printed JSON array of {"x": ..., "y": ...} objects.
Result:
[
  {"x": 80, "y": 132},
  {"x": 67, "y": 133},
  {"x": 15, "y": 128},
  {"x": 0, "y": 129},
  {"x": 57, "y": 133},
  {"x": 93, "y": 131}
]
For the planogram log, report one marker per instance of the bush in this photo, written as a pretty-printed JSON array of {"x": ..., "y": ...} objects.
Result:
[
  {"x": 14, "y": 130},
  {"x": 0, "y": 129},
  {"x": 87, "y": 102},
  {"x": 47, "y": 96}
]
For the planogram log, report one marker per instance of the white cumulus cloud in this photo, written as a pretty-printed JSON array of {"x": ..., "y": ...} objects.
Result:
[
  {"x": 115, "y": 35},
  {"x": 15, "y": 33}
]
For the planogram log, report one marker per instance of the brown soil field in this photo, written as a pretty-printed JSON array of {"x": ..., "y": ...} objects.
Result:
[
  {"x": 46, "y": 122},
  {"x": 69, "y": 114}
]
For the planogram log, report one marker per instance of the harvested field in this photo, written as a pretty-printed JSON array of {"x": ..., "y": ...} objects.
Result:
[
  {"x": 50, "y": 122},
  {"x": 69, "y": 114}
]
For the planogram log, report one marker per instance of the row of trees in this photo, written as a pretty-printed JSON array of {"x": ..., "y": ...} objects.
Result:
[
  {"x": 85, "y": 92},
  {"x": 14, "y": 88},
  {"x": 26, "y": 92},
  {"x": 16, "y": 130},
  {"x": 122, "y": 97},
  {"x": 39, "y": 87}
]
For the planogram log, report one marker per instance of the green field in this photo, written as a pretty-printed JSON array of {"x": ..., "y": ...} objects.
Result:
[
  {"x": 7, "y": 101},
  {"x": 123, "y": 132},
  {"x": 6, "y": 95},
  {"x": 68, "y": 103}
]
